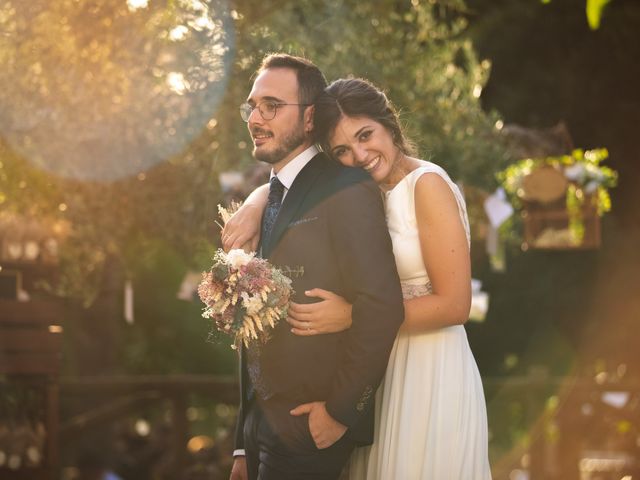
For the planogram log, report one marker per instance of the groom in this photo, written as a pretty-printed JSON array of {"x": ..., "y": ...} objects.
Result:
[{"x": 327, "y": 222}]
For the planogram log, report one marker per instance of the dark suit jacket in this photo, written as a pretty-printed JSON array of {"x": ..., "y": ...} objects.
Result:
[{"x": 332, "y": 224}]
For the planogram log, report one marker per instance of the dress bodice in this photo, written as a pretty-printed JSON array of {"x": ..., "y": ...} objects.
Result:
[{"x": 403, "y": 228}]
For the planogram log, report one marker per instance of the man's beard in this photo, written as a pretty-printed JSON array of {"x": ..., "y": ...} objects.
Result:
[{"x": 286, "y": 146}]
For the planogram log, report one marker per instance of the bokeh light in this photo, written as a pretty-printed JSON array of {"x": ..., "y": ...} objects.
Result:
[{"x": 106, "y": 89}]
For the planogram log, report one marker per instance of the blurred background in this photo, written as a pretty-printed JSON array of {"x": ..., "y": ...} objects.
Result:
[{"x": 120, "y": 135}]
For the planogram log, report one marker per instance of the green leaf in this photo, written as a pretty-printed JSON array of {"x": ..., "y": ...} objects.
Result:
[{"x": 594, "y": 12}]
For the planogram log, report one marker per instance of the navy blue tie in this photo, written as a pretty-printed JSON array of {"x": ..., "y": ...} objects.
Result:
[
  {"x": 276, "y": 192},
  {"x": 257, "y": 382}
]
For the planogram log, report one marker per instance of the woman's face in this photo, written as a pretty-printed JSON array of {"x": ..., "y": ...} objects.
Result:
[{"x": 363, "y": 142}]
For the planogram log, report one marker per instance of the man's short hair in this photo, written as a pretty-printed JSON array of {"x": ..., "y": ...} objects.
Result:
[{"x": 311, "y": 81}]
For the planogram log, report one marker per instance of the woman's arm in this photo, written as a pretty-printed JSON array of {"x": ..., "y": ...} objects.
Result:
[
  {"x": 445, "y": 251},
  {"x": 243, "y": 228}
]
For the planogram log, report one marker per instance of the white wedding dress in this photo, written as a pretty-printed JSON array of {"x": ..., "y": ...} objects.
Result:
[{"x": 431, "y": 420}]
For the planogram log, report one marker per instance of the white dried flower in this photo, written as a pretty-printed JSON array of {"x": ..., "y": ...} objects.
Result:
[
  {"x": 252, "y": 304},
  {"x": 238, "y": 258}
]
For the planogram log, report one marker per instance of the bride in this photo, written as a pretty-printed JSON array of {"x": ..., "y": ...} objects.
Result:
[{"x": 431, "y": 420}]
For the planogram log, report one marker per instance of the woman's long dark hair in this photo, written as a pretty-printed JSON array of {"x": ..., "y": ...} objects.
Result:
[{"x": 353, "y": 97}]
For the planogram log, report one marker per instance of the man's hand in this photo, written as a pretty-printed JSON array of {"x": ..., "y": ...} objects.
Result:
[
  {"x": 324, "y": 429},
  {"x": 239, "y": 469}
]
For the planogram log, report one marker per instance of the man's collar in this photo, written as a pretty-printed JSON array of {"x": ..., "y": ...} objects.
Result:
[{"x": 289, "y": 172}]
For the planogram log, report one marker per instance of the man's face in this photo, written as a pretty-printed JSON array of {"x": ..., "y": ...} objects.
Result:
[{"x": 280, "y": 139}]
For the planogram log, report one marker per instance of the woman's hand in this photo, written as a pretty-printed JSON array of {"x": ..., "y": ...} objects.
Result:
[
  {"x": 331, "y": 315},
  {"x": 243, "y": 229}
]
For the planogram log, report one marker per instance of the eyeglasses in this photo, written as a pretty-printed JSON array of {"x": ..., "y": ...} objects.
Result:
[{"x": 267, "y": 109}]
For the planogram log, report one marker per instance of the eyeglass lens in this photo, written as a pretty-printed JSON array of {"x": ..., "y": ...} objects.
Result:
[{"x": 267, "y": 110}]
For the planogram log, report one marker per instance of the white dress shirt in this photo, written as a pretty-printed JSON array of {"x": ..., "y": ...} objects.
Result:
[{"x": 290, "y": 171}]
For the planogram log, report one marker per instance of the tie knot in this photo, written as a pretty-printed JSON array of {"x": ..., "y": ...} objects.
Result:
[{"x": 276, "y": 188}]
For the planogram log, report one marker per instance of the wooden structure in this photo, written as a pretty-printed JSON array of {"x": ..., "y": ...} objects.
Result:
[
  {"x": 547, "y": 226},
  {"x": 30, "y": 356},
  {"x": 548, "y": 223}
]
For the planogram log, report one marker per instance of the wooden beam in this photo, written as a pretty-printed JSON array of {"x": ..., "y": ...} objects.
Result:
[
  {"x": 106, "y": 413},
  {"x": 29, "y": 363},
  {"x": 223, "y": 387},
  {"x": 30, "y": 340},
  {"x": 40, "y": 312}
]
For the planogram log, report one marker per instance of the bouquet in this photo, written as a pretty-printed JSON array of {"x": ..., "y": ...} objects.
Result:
[{"x": 244, "y": 295}]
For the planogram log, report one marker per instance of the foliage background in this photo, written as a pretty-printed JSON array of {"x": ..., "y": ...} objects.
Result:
[
  {"x": 130, "y": 219},
  {"x": 453, "y": 68}
]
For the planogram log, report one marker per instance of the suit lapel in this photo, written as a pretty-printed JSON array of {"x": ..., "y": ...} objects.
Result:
[{"x": 294, "y": 200}]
